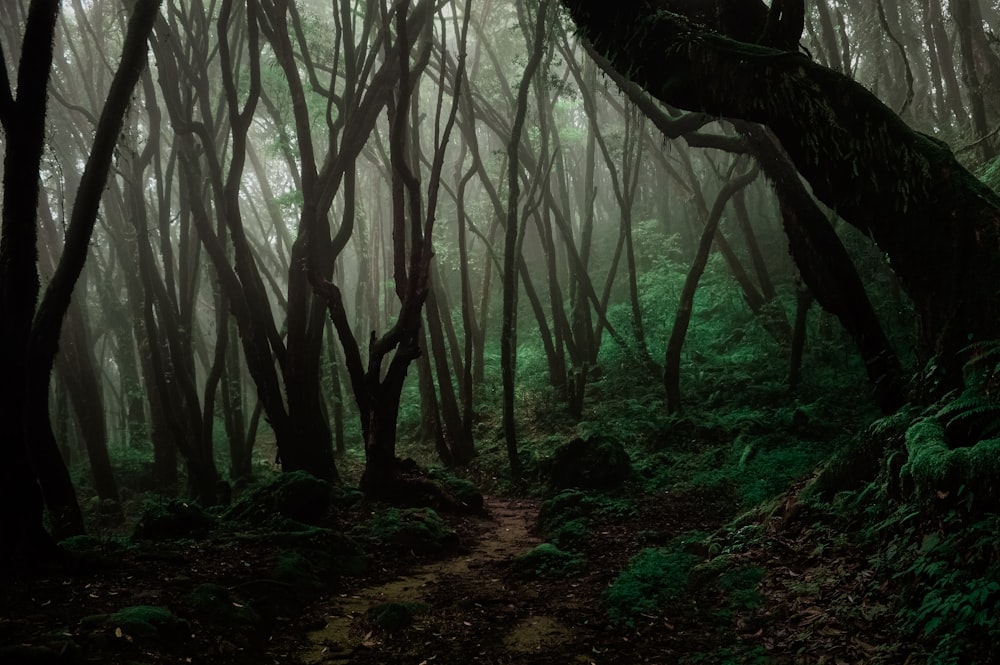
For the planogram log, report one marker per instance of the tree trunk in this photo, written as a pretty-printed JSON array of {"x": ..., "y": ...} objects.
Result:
[
  {"x": 939, "y": 225},
  {"x": 672, "y": 362}
]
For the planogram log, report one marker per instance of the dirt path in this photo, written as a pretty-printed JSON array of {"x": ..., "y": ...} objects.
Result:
[{"x": 473, "y": 609}]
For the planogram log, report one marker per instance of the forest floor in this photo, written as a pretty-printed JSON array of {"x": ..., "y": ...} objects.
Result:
[
  {"x": 476, "y": 608},
  {"x": 812, "y": 601}
]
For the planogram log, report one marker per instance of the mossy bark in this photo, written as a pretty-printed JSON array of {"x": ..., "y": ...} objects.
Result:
[{"x": 939, "y": 226}]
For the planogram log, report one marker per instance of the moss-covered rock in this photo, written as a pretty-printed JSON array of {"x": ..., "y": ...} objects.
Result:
[
  {"x": 295, "y": 495},
  {"x": 464, "y": 491},
  {"x": 593, "y": 463},
  {"x": 571, "y": 535},
  {"x": 172, "y": 520},
  {"x": 418, "y": 530},
  {"x": 147, "y": 621},
  {"x": 296, "y": 569},
  {"x": 390, "y": 617},
  {"x": 573, "y": 504},
  {"x": 547, "y": 560}
]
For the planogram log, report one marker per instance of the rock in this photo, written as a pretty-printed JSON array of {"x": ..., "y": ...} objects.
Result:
[
  {"x": 593, "y": 463},
  {"x": 547, "y": 560},
  {"x": 296, "y": 495},
  {"x": 171, "y": 520}
]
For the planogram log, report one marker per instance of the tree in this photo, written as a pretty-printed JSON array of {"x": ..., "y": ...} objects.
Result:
[
  {"x": 938, "y": 225},
  {"x": 29, "y": 332}
]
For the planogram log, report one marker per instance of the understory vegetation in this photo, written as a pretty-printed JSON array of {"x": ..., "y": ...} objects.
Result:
[{"x": 770, "y": 527}]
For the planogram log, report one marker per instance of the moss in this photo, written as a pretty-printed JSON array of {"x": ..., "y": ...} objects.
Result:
[
  {"x": 298, "y": 570},
  {"x": 933, "y": 470},
  {"x": 172, "y": 520},
  {"x": 593, "y": 463},
  {"x": 858, "y": 462},
  {"x": 464, "y": 491},
  {"x": 390, "y": 617},
  {"x": 295, "y": 495},
  {"x": 146, "y": 621},
  {"x": 418, "y": 530},
  {"x": 654, "y": 578},
  {"x": 547, "y": 560},
  {"x": 573, "y": 504},
  {"x": 571, "y": 535}
]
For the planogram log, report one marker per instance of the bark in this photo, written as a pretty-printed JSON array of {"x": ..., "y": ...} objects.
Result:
[
  {"x": 906, "y": 190},
  {"x": 828, "y": 271},
  {"x": 508, "y": 330},
  {"x": 672, "y": 362}
]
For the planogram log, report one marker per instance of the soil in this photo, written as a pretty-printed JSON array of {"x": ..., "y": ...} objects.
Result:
[{"x": 469, "y": 607}]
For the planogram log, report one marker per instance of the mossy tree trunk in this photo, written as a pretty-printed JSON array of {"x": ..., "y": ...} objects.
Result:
[{"x": 939, "y": 226}]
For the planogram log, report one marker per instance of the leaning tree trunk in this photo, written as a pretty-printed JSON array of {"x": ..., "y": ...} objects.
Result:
[
  {"x": 939, "y": 225},
  {"x": 672, "y": 361}
]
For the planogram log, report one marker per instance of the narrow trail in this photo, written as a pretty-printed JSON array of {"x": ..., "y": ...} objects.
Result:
[{"x": 475, "y": 610}]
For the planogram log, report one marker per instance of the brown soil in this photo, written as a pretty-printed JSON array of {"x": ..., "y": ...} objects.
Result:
[{"x": 472, "y": 607}]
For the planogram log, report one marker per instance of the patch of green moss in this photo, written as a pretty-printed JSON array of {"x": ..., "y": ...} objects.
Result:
[
  {"x": 571, "y": 535},
  {"x": 991, "y": 175},
  {"x": 173, "y": 520},
  {"x": 596, "y": 462},
  {"x": 654, "y": 578},
  {"x": 573, "y": 504},
  {"x": 463, "y": 490},
  {"x": 295, "y": 495},
  {"x": 89, "y": 545},
  {"x": 390, "y": 617},
  {"x": 934, "y": 470},
  {"x": 547, "y": 561},
  {"x": 418, "y": 530},
  {"x": 296, "y": 569},
  {"x": 149, "y": 621}
]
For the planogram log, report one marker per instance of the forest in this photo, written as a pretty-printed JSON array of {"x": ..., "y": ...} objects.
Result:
[{"x": 500, "y": 331}]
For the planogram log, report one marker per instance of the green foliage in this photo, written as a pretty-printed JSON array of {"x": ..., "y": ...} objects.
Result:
[
  {"x": 171, "y": 520},
  {"x": 755, "y": 461},
  {"x": 147, "y": 621},
  {"x": 573, "y": 504},
  {"x": 548, "y": 561},
  {"x": 991, "y": 175},
  {"x": 464, "y": 490},
  {"x": 295, "y": 568},
  {"x": 596, "y": 462},
  {"x": 935, "y": 470},
  {"x": 974, "y": 414},
  {"x": 295, "y": 495},
  {"x": 952, "y": 592},
  {"x": 570, "y": 535},
  {"x": 417, "y": 530},
  {"x": 654, "y": 578}
]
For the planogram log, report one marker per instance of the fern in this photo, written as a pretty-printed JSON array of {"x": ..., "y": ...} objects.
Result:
[{"x": 974, "y": 414}]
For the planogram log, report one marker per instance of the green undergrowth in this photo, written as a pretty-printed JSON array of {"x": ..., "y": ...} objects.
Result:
[
  {"x": 678, "y": 579},
  {"x": 548, "y": 561},
  {"x": 568, "y": 514},
  {"x": 754, "y": 454},
  {"x": 412, "y": 530},
  {"x": 929, "y": 515},
  {"x": 653, "y": 578}
]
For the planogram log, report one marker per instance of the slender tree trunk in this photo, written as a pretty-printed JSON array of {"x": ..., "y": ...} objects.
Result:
[{"x": 672, "y": 363}]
